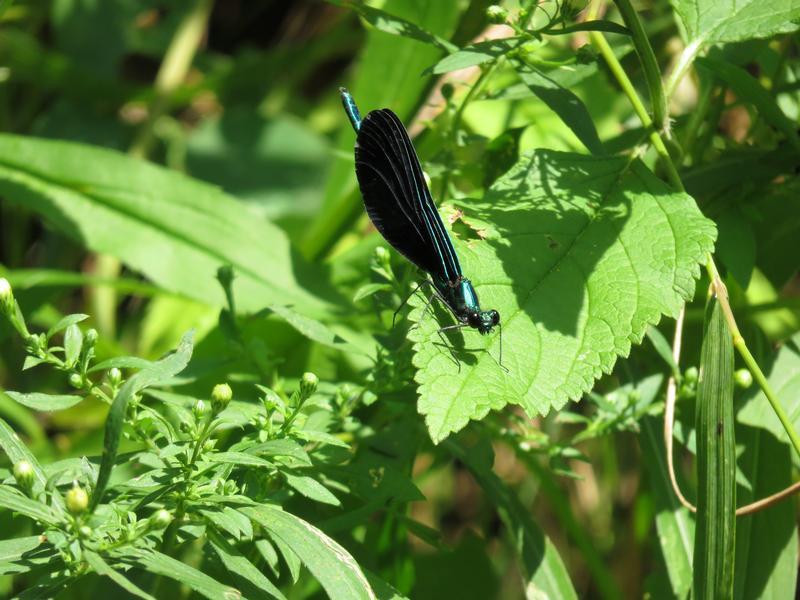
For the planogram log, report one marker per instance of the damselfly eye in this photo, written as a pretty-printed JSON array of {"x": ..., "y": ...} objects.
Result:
[
  {"x": 474, "y": 319},
  {"x": 495, "y": 317}
]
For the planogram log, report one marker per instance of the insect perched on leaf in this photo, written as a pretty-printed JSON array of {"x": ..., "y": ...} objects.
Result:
[{"x": 400, "y": 206}]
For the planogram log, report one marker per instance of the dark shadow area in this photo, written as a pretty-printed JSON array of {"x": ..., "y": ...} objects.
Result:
[{"x": 554, "y": 227}]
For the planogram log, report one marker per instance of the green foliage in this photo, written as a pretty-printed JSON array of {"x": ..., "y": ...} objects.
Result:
[{"x": 169, "y": 166}]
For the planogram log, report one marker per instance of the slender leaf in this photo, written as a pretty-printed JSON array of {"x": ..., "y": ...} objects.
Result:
[
  {"x": 311, "y": 489},
  {"x": 159, "y": 371},
  {"x": 542, "y": 568},
  {"x": 12, "y": 500},
  {"x": 394, "y": 25},
  {"x": 101, "y": 567},
  {"x": 44, "y": 402},
  {"x": 331, "y": 564},
  {"x": 596, "y": 25},
  {"x": 242, "y": 570},
  {"x": 476, "y": 54},
  {"x": 714, "y": 545},
  {"x": 64, "y": 323}
]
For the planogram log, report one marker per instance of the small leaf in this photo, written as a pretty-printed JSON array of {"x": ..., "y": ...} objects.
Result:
[
  {"x": 597, "y": 25},
  {"x": 388, "y": 23},
  {"x": 714, "y": 544},
  {"x": 664, "y": 350},
  {"x": 334, "y": 567},
  {"x": 64, "y": 323},
  {"x": 159, "y": 371},
  {"x": 564, "y": 103},
  {"x": 73, "y": 340},
  {"x": 476, "y": 54},
  {"x": 311, "y": 489},
  {"x": 122, "y": 362},
  {"x": 45, "y": 402},
  {"x": 369, "y": 289},
  {"x": 12, "y": 500},
  {"x": 32, "y": 361},
  {"x": 239, "y": 458}
]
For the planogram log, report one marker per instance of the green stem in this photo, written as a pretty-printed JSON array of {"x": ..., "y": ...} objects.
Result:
[{"x": 719, "y": 287}]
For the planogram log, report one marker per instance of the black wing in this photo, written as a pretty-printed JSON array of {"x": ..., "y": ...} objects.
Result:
[{"x": 397, "y": 198}]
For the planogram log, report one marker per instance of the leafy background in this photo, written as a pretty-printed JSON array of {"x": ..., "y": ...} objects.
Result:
[{"x": 431, "y": 467}]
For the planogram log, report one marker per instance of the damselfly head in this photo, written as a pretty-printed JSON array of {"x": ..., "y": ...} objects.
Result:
[{"x": 484, "y": 321}]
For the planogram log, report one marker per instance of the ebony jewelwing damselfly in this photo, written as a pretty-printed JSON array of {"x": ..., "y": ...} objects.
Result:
[{"x": 400, "y": 206}]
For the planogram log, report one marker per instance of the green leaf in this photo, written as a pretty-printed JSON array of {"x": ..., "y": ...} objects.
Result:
[
  {"x": 543, "y": 570},
  {"x": 175, "y": 230},
  {"x": 783, "y": 375},
  {"x": 122, "y": 362},
  {"x": 44, "y": 402},
  {"x": 664, "y": 350},
  {"x": 570, "y": 109},
  {"x": 101, "y": 567},
  {"x": 736, "y": 246},
  {"x": 331, "y": 564},
  {"x": 766, "y": 542},
  {"x": 581, "y": 254},
  {"x": 239, "y": 458},
  {"x": 250, "y": 579},
  {"x": 391, "y": 24},
  {"x": 159, "y": 371},
  {"x": 161, "y": 564},
  {"x": 11, "y": 499},
  {"x": 312, "y": 489},
  {"x": 715, "y": 21},
  {"x": 597, "y": 25},
  {"x": 14, "y": 550},
  {"x": 475, "y": 54},
  {"x": 316, "y": 331},
  {"x": 65, "y": 322},
  {"x": 17, "y": 451},
  {"x": 674, "y": 523},
  {"x": 73, "y": 340},
  {"x": 369, "y": 289},
  {"x": 750, "y": 90},
  {"x": 714, "y": 542}
]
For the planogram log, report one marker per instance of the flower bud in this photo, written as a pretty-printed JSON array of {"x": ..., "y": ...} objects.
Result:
[
  {"x": 6, "y": 297},
  {"x": 200, "y": 410},
  {"x": 220, "y": 397},
  {"x": 690, "y": 375},
  {"x": 496, "y": 14},
  {"x": 23, "y": 473},
  {"x": 91, "y": 337},
  {"x": 85, "y": 531},
  {"x": 114, "y": 376},
  {"x": 743, "y": 378},
  {"x": 308, "y": 384},
  {"x": 160, "y": 519},
  {"x": 76, "y": 380},
  {"x": 77, "y": 500}
]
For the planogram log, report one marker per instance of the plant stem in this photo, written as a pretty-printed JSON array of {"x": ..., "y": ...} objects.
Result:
[{"x": 672, "y": 172}]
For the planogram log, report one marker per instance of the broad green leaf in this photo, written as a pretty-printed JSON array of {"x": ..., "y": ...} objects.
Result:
[
  {"x": 101, "y": 567},
  {"x": 750, "y": 90},
  {"x": 175, "y": 230},
  {"x": 161, "y": 564},
  {"x": 715, "y": 536},
  {"x": 335, "y": 569},
  {"x": 311, "y": 489},
  {"x": 44, "y": 402},
  {"x": 15, "y": 549},
  {"x": 64, "y": 323},
  {"x": 159, "y": 371},
  {"x": 475, "y": 54},
  {"x": 715, "y": 21},
  {"x": 242, "y": 570},
  {"x": 674, "y": 523},
  {"x": 543, "y": 570},
  {"x": 766, "y": 542},
  {"x": 564, "y": 103},
  {"x": 580, "y": 255},
  {"x": 11, "y": 499}
]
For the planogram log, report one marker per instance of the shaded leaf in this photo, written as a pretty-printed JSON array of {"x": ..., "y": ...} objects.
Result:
[
  {"x": 101, "y": 567},
  {"x": 45, "y": 402},
  {"x": 242, "y": 570},
  {"x": 311, "y": 489},
  {"x": 475, "y": 54},
  {"x": 581, "y": 255}
]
